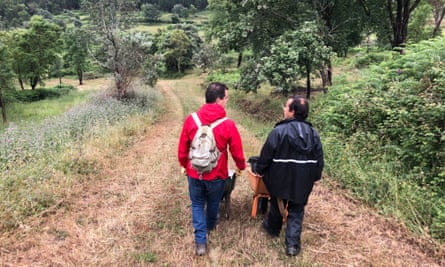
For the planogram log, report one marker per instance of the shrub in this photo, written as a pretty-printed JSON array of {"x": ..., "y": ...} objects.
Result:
[
  {"x": 27, "y": 96},
  {"x": 392, "y": 119}
]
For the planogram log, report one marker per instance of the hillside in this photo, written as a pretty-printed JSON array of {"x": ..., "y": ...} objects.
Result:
[{"x": 137, "y": 213}]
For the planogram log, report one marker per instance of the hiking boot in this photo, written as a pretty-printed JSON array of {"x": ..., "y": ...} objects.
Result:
[
  {"x": 291, "y": 251},
  {"x": 200, "y": 249}
]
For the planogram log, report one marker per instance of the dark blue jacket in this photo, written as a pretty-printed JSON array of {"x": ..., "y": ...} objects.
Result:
[{"x": 291, "y": 160}]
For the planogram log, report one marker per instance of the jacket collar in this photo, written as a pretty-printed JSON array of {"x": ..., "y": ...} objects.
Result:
[
  {"x": 209, "y": 113},
  {"x": 291, "y": 120}
]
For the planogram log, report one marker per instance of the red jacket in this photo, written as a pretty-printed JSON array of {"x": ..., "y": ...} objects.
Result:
[{"x": 226, "y": 135}]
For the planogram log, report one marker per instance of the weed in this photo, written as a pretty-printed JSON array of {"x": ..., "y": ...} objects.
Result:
[{"x": 146, "y": 257}]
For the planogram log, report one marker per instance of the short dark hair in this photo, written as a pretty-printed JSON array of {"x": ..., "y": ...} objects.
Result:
[
  {"x": 214, "y": 91},
  {"x": 300, "y": 106}
]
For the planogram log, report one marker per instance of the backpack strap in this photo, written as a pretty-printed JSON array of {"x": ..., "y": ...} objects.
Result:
[
  {"x": 217, "y": 122},
  {"x": 196, "y": 118},
  {"x": 212, "y": 125}
]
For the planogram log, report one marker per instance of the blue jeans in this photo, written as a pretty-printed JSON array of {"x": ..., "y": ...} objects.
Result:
[{"x": 205, "y": 197}]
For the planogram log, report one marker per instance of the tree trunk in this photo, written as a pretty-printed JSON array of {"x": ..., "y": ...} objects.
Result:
[
  {"x": 2, "y": 104},
  {"x": 240, "y": 59},
  {"x": 21, "y": 83},
  {"x": 33, "y": 81},
  {"x": 326, "y": 75},
  {"x": 437, "y": 23},
  {"x": 80, "y": 77},
  {"x": 399, "y": 20},
  {"x": 308, "y": 81},
  {"x": 179, "y": 65},
  {"x": 119, "y": 85},
  {"x": 330, "y": 73}
]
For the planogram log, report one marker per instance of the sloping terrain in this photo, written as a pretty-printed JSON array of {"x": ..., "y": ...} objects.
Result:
[{"x": 137, "y": 213}]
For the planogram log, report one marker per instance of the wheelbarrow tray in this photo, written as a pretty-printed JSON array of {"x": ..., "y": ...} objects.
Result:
[{"x": 256, "y": 183}]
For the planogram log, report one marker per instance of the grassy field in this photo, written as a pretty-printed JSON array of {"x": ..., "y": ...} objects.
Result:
[{"x": 22, "y": 113}]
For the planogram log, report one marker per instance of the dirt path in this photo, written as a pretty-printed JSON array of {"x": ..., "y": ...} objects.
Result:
[{"x": 139, "y": 215}]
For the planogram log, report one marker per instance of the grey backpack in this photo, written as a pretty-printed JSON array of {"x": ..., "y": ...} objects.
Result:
[{"x": 203, "y": 153}]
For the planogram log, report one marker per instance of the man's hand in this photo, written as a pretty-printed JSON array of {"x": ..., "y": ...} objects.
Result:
[
  {"x": 183, "y": 171},
  {"x": 238, "y": 172}
]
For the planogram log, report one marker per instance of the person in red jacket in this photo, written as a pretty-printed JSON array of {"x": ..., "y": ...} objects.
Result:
[{"x": 207, "y": 189}]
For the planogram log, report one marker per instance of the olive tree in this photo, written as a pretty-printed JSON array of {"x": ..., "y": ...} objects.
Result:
[{"x": 109, "y": 18}]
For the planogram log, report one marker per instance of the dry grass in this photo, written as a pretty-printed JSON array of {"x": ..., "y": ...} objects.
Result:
[{"x": 136, "y": 212}]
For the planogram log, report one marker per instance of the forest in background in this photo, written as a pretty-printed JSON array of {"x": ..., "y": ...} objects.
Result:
[{"x": 381, "y": 65}]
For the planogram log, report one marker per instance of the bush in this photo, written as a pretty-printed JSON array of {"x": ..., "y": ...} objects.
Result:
[
  {"x": 393, "y": 120},
  {"x": 27, "y": 96}
]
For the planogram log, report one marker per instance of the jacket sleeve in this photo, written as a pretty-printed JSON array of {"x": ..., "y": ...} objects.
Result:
[
  {"x": 267, "y": 153},
  {"x": 318, "y": 154},
  {"x": 236, "y": 148},
  {"x": 184, "y": 144}
]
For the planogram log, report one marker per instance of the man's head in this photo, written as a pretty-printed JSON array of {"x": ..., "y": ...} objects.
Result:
[
  {"x": 296, "y": 107},
  {"x": 217, "y": 93}
]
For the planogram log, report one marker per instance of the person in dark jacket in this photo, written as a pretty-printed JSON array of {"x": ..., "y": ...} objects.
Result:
[{"x": 291, "y": 160}]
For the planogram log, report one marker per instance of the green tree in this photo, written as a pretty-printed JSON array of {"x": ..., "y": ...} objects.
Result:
[
  {"x": 295, "y": 55},
  {"x": 13, "y": 40},
  {"x": 340, "y": 23},
  {"x": 151, "y": 12},
  {"x": 390, "y": 19},
  {"x": 152, "y": 66},
  {"x": 37, "y": 48},
  {"x": 205, "y": 58},
  {"x": 76, "y": 50},
  {"x": 419, "y": 25},
  {"x": 438, "y": 8},
  {"x": 176, "y": 49},
  {"x": 180, "y": 40},
  {"x": 225, "y": 28},
  {"x": 43, "y": 44},
  {"x": 6, "y": 77},
  {"x": 238, "y": 25},
  {"x": 180, "y": 10},
  {"x": 12, "y": 13}
]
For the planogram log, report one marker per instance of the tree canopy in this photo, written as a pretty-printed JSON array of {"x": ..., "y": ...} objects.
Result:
[
  {"x": 293, "y": 56},
  {"x": 34, "y": 50}
]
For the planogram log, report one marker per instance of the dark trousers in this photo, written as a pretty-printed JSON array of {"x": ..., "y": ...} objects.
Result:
[{"x": 274, "y": 221}]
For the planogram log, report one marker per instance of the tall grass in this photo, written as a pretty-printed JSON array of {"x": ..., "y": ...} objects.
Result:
[
  {"x": 379, "y": 182},
  {"x": 38, "y": 158},
  {"x": 19, "y": 112}
]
